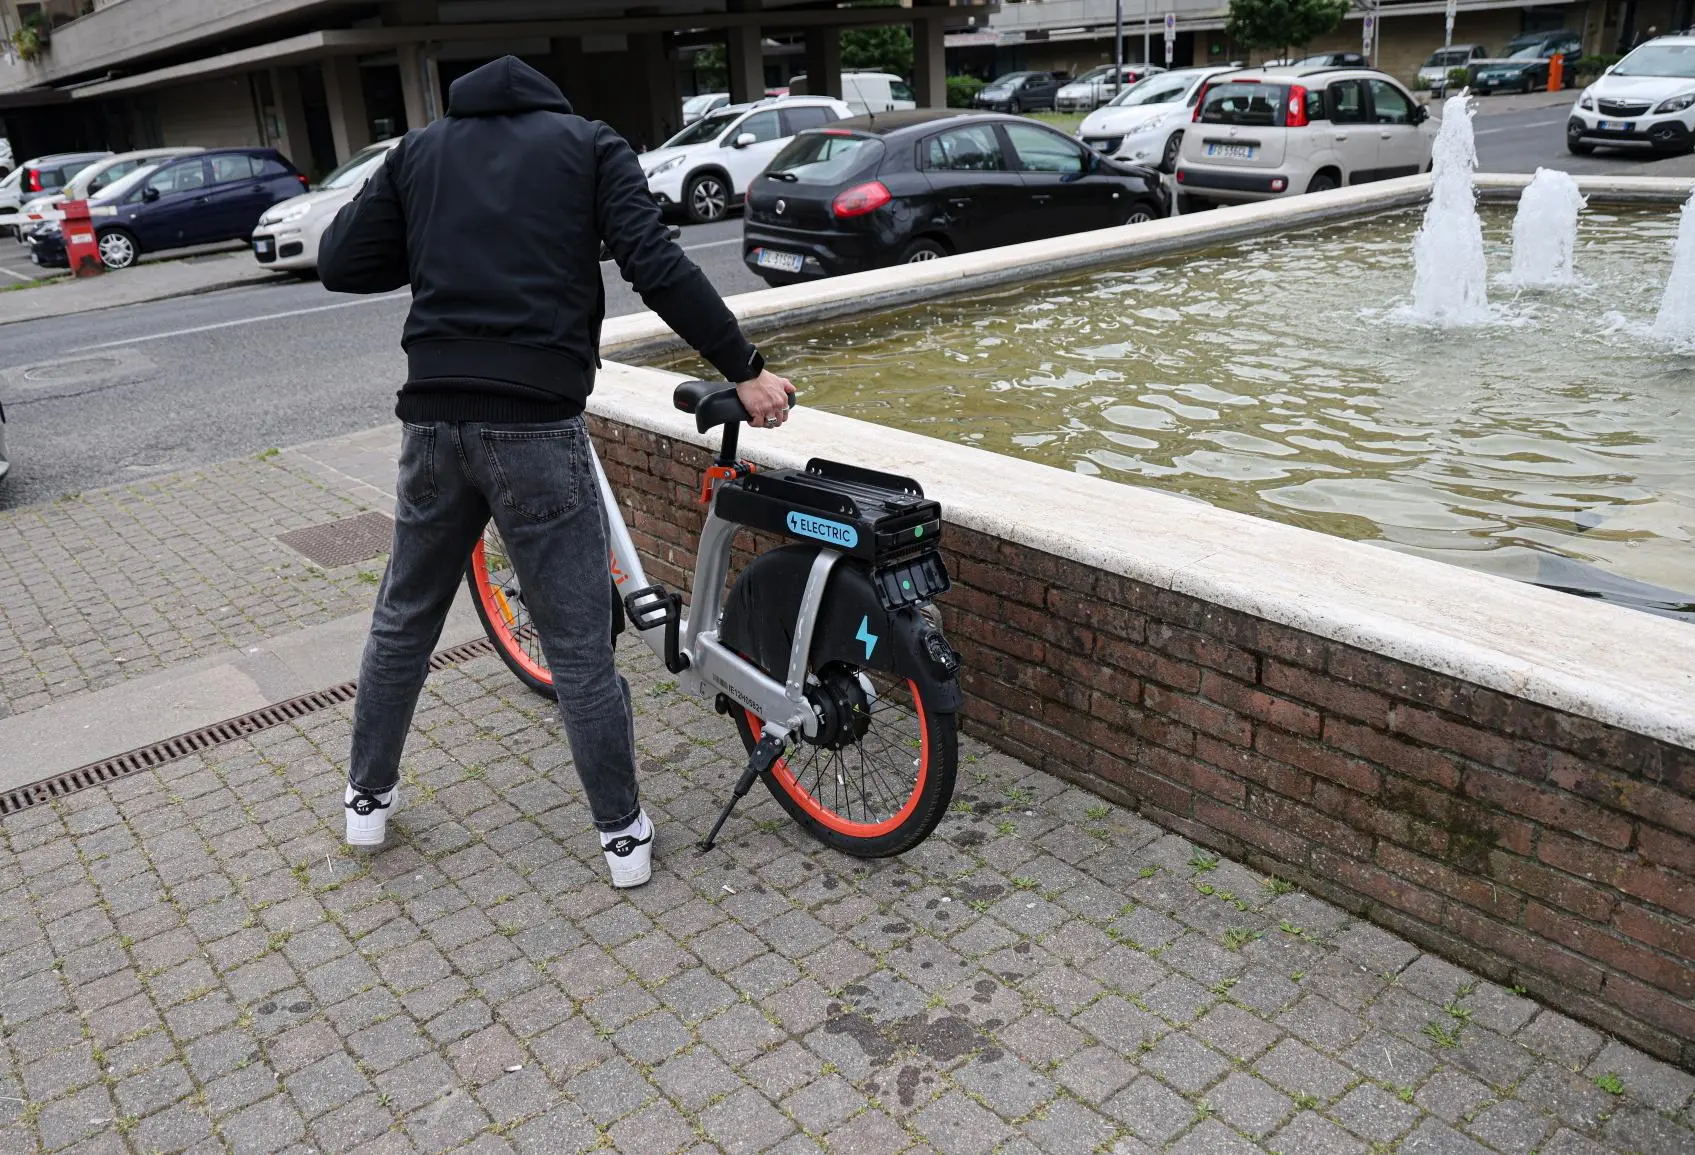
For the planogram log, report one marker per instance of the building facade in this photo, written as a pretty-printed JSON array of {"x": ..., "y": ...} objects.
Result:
[{"x": 319, "y": 79}]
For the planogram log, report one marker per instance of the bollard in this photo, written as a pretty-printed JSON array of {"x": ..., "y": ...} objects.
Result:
[
  {"x": 82, "y": 251},
  {"x": 1556, "y": 72}
]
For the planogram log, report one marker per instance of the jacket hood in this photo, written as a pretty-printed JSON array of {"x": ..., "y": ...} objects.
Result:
[{"x": 504, "y": 87}]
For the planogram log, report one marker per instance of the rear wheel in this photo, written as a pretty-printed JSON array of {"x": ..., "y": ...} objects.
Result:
[
  {"x": 1142, "y": 211},
  {"x": 879, "y": 774},
  {"x": 1322, "y": 182},
  {"x": 707, "y": 198},
  {"x": 921, "y": 250}
]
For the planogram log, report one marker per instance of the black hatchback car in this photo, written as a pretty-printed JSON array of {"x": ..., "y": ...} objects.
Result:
[{"x": 912, "y": 186}]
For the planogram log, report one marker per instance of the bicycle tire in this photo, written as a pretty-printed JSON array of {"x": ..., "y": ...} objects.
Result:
[
  {"x": 499, "y": 605},
  {"x": 829, "y": 819}
]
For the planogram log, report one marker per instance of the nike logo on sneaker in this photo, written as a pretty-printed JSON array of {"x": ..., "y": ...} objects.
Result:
[
  {"x": 623, "y": 846},
  {"x": 363, "y": 804}
]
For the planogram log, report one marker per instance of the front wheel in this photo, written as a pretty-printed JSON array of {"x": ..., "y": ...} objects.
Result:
[
  {"x": 1577, "y": 147},
  {"x": 707, "y": 199},
  {"x": 1168, "y": 161},
  {"x": 499, "y": 602},
  {"x": 118, "y": 249},
  {"x": 879, "y": 774}
]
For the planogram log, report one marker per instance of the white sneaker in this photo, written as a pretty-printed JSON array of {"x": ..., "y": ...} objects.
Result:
[
  {"x": 629, "y": 853},
  {"x": 367, "y": 815}
]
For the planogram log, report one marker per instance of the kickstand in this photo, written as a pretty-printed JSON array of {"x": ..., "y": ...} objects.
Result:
[{"x": 769, "y": 749}]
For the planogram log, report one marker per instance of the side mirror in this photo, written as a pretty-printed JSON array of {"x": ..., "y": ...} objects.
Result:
[
  {"x": 744, "y": 140},
  {"x": 1607, "y": 71},
  {"x": 1420, "y": 114},
  {"x": 149, "y": 194}
]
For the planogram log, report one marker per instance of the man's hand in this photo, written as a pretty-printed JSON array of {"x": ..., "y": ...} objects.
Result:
[{"x": 766, "y": 398}]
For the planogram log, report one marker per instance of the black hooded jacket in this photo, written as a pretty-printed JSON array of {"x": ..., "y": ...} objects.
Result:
[{"x": 494, "y": 216}]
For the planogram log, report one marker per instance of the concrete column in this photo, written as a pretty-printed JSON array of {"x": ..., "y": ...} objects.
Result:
[
  {"x": 420, "y": 86},
  {"x": 824, "y": 62},
  {"x": 746, "y": 56},
  {"x": 929, "y": 58},
  {"x": 656, "y": 71},
  {"x": 350, "y": 123},
  {"x": 290, "y": 114},
  {"x": 565, "y": 66}
]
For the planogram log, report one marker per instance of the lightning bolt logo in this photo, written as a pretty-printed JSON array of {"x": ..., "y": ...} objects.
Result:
[{"x": 865, "y": 635}]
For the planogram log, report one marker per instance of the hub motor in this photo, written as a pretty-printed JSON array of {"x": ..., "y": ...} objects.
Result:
[{"x": 842, "y": 698}]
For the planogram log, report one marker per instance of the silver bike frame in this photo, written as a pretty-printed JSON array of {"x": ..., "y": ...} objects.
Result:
[{"x": 713, "y": 667}]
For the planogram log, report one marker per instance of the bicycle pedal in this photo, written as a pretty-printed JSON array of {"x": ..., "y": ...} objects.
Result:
[{"x": 652, "y": 606}]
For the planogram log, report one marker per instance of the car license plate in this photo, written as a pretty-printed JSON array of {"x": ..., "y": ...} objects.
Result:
[
  {"x": 1233, "y": 151},
  {"x": 786, "y": 262},
  {"x": 262, "y": 246},
  {"x": 1617, "y": 125}
]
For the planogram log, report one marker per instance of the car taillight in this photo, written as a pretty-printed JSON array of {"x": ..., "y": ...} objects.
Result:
[
  {"x": 1296, "y": 117},
  {"x": 34, "y": 180},
  {"x": 1200, "y": 103},
  {"x": 861, "y": 199},
  {"x": 304, "y": 183}
]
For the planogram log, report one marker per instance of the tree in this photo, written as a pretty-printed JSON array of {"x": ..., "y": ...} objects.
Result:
[
  {"x": 885, "y": 49},
  {"x": 1282, "y": 24}
]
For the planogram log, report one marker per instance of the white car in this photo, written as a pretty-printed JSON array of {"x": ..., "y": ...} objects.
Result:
[
  {"x": 1144, "y": 124},
  {"x": 1646, "y": 99},
  {"x": 705, "y": 169},
  {"x": 288, "y": 232},
  {"x": 866, "y": 93},
  {"x": 1097, "y": 86},
  {"x": 100, "y": 175},
  {"x": 696, "y": 107},
  {"x": 1270, "y": 132}
]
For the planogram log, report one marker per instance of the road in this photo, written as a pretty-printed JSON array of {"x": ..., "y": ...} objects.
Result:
[
  {"x": 103, "y": 398},
  {"x": 151, "y": 388}
]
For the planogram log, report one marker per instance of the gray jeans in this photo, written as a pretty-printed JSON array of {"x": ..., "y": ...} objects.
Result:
[{"x": 538, "y": 484}]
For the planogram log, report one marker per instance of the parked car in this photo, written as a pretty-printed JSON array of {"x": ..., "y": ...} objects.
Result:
[
  {"x": 6, "y": 161},
  {"x": 1264, "y": 133},
  {"x": 1099, "y": 85},
  {"x": 1144, "y": 124},
  {"x": 913, "y": 186},
  {"x": 289, "y": 232},
  {"x": 1433, "y": 73},
  {"x": 705, "y": 169},
  {"x": 1021, "y": 91},
  {"x": 217, "y": 195},
  {"x": 101, "y": 175},
  {"x": 1525, "y": 64},
  {"x": 1333, "y": 60},
  {"x": 1646, "y": 99},
  {"x": 867, "y": 93},
  {"x": 696, "y": 107},
  {"x": 42, "y": 174}
]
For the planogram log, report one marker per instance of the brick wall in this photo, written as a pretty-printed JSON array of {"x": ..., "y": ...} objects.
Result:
[{"x": 1533, "y": 846}]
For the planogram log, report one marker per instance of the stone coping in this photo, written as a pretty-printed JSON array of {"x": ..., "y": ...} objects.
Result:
[
  {"x": 765, "y": 311},
  {"x": 1613, "y": 665}
]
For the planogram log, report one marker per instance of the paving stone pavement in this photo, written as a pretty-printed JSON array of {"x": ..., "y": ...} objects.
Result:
[
  {"x": 113, "y": 584},
  {"x": 192, "y": 962}
]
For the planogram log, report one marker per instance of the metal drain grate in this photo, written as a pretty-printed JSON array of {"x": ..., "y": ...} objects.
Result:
[
  {"x": 205, "y": 738},
  {"x": 344, "y": 542}
]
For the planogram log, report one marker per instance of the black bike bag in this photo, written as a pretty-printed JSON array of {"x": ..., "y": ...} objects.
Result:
[{"x": 880, "y": 517}]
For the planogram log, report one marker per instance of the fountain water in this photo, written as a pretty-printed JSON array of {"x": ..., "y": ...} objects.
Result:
[
  {"x": 1545, "y": 230},
  {"x": 1449, "y": 280},
  {"x": 1676, "y": 319}
]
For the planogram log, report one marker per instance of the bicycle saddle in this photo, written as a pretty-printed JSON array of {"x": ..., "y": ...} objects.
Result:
[{"x": 713, "y": 404}]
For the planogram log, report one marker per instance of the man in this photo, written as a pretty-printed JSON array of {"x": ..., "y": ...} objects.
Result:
[{"x": 495, "y": 216}]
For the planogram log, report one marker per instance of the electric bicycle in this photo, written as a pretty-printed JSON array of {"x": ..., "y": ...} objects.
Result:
[{"x": 826, "y": 653}]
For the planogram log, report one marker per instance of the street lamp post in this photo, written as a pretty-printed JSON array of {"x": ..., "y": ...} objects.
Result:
[
  {"x": 1118, "y": 36},
  {"x": 1147, "y": 18}
]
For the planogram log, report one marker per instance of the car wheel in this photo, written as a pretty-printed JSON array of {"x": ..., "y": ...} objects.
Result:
[
  {"x": 707, "y": 199},
  {"x": 1577, "y": 147},
  {"x": 1321, "y": 182},
  {"x": 118, "y": 249},
  {"x": 922, "y": 250},
  {"x": 1141, "y": 212},
  {"x": 1168, "y": 161}
]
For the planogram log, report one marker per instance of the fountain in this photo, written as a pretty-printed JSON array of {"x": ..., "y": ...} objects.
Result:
[
  {"x": 1676, "y": 319},
  {"x": 1545, "y": 230},
  {"x": 1449, "y": 282}
]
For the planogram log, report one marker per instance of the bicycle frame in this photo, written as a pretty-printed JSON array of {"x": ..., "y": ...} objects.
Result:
[{"x": 712, "y": 667}]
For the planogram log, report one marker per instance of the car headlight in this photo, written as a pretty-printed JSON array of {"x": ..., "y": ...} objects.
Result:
[
  {"x": 285, "y": 216},
  {"x": 1587, "y": 100},
  {"x": 1676, "y": 103},
  {"x": 666, "y": 165}
]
